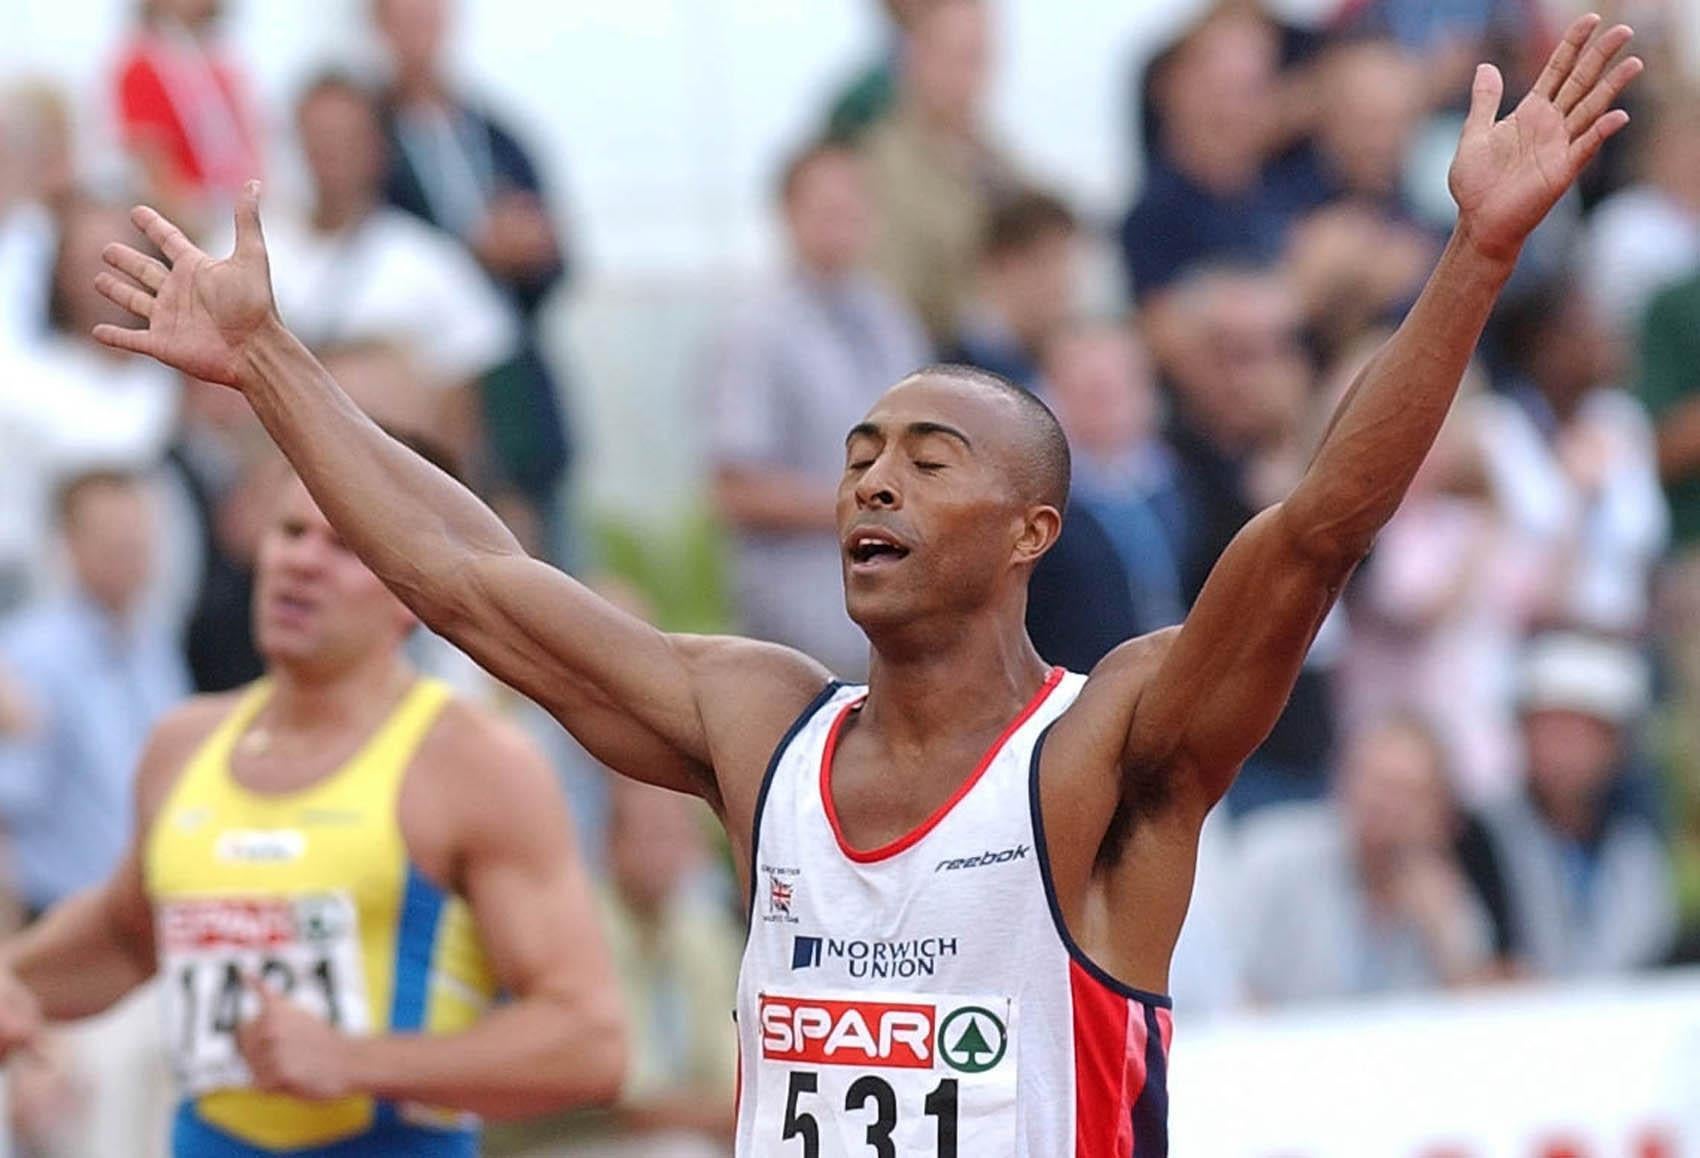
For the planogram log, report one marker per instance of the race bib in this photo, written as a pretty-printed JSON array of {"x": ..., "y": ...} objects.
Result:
[
  {"x": 305, "y": 947},
  {"x": 871, "y": 1076}
]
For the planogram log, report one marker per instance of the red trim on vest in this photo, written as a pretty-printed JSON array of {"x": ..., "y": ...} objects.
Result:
[
  {"x": 910, "y": 839},
  {"x": 1105, "y": 1050}
]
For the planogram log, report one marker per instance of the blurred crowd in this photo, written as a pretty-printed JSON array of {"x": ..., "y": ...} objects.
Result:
[{"x": 1487, "y": 772}]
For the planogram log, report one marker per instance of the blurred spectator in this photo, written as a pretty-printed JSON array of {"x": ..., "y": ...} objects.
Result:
[
  {"x": 1294, "y": 96},
  {"x": 72, "y": 402},
  {"x": 1587, "y": 873},
  {"x": 1369, "y": 892},
  {"x": 1354, "y": 196},
  {"x": 1571, "y": 460},
  {"x": 39, "y": 113},
  {"x": 1027, "y": 286},
  {"x": 934, "y": 171},
  {"x": 357, "y": 270},
  {"x": 797, "y": 368},
  {"x": 1453, "y": 36},
  {"x": 1670, "y": 387},
  {"x": 454, "y": 165},
  {"x": 27, "y": 232},
  {"x": 1228, "y": 342},
  {"x": 222, "y": 457},
  {"x": 1080, "y": 599},
  {"x": 1440, "y": 611},
  {"x": 1205, "y": 196},
  {"x": 183, "y": 110},
  {"x": 676, "y": 952},
  {"x": 869, "y": 96},
  {"x": 1099, "y": 380},
  {"x": 1648, "y": 236},
  {"x": 97, "y": 674}
]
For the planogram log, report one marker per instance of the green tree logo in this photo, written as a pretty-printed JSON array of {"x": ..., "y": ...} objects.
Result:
[{"x": 973, "y": 1040}]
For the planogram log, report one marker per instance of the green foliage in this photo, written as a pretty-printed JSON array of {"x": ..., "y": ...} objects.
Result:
[{"x": 680, "y": 567}]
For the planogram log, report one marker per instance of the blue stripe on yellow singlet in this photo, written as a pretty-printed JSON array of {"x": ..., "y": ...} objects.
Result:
[{"x": 192, "y": 1137}]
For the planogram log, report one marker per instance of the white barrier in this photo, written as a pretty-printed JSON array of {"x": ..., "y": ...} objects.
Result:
[{"x": 1602, "y": 1072}]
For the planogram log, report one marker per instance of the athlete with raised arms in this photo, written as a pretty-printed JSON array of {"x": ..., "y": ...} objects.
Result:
[{"x": 966, "y": 879}]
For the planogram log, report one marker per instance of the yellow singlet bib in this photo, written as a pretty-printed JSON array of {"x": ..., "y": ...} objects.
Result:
[{"x": 313, "y": 892}]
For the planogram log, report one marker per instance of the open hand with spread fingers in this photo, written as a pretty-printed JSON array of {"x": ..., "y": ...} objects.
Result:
[
  {"x": 1508, "y": 174},
  {"x": 200, "y": 312}
]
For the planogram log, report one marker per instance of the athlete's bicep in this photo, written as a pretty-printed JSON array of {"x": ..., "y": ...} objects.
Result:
[
  {"x": 1227, "y": 676},
  {"x": 526, "y": 884},
  {"x": 617, "y": 683}
]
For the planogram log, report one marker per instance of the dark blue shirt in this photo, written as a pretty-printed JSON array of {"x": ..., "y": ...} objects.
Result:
[{"x": 1178, "y": 224}]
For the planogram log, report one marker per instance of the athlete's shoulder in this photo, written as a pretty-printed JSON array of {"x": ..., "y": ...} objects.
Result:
[
  {"x": 750, "y": 679},
  {"x": 1137, "y": 659},
  {"x": 480, "y": 785},
  {"x": 1097, "y": 721},
  {"x": 473, "y": 738},
  {"x": 173, "y": 743},
  {"x": 478, "y": 764}
]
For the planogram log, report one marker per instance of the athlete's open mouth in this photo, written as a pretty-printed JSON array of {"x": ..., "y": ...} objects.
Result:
[{"x": 870, "y": 547}]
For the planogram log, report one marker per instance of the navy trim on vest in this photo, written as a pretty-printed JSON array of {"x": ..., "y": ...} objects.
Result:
[
  {"x": 1151, "y": 1111},
  {"x": 1074, "y": 950},
  {"x": 797, "y": 725}
]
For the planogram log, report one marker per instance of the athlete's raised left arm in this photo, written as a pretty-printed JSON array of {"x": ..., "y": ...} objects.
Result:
[
  {"x": 558, "y": 1040},
  {"x": 1215, "y": 694}
]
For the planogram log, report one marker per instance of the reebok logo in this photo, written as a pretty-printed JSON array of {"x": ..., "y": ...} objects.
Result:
[{"x": 1019, "y": 852}]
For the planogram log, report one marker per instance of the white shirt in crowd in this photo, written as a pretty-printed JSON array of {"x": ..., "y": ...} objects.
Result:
[
  {"x": 1638, "y": 242},
  {"x": 27, "y": 242},
  {"x": 1610, "y": 541},
  {"x": 65, "y": 407},
  {"x": 391, "y": 278}
]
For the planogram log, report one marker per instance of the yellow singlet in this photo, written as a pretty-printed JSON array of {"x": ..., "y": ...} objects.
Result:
[{"x": 313, "y": 892}]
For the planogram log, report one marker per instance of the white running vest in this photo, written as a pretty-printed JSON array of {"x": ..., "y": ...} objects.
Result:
[{"x": 922, "y": 1000}]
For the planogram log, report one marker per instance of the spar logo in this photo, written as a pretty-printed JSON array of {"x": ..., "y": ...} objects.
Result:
[
  {"x": 881, "y": 1034},
  {"x": 973, "y": 1040}
]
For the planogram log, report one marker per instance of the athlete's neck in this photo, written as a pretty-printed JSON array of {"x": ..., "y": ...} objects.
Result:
[
  {"x": 313, "y": 700},
  {"x": 969, "y": 678},
  {"x": 421, "y": 90}
]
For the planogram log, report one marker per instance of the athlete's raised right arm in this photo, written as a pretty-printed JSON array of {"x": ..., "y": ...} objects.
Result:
[{"x": 628, "y": 691}]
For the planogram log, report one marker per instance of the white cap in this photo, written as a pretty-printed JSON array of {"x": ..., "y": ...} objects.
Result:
[{"x": 1598, "y": 677}]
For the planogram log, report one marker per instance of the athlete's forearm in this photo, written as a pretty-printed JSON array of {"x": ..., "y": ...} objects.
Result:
[
  {"x": 523, "y": 1059},
  {"x": 411, "y": 523},
  {"x": 1388, "y": 421},
  {"x": 79, "y": 959}
]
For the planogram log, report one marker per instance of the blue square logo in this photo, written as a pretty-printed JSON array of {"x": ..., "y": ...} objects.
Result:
[{"x": 805, "y": 952}]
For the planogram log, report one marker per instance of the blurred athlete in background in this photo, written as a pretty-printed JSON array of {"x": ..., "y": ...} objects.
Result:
[{"x": 337, "y": 870}]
